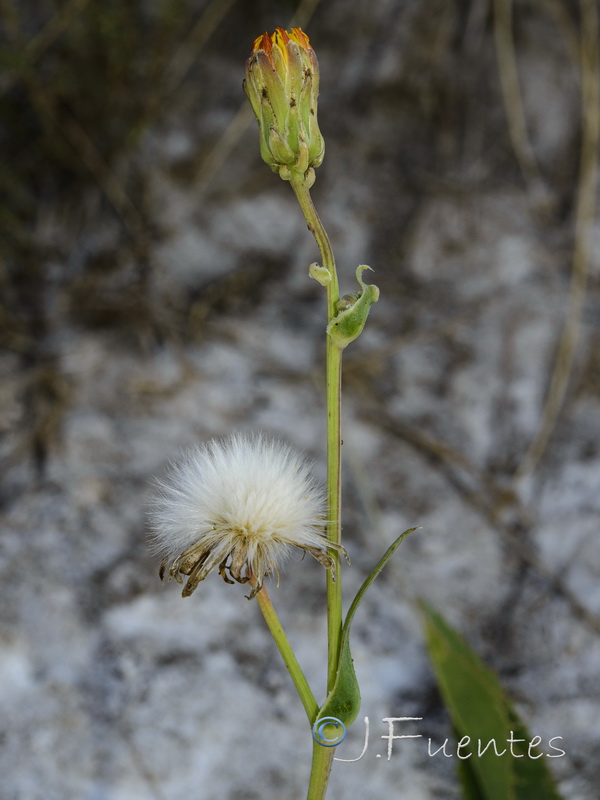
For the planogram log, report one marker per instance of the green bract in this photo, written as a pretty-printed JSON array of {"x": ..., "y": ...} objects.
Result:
[{"x": 352, "y": 312}]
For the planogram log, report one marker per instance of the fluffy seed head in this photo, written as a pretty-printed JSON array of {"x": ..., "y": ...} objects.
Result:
[{"x": 238, "y": 504}]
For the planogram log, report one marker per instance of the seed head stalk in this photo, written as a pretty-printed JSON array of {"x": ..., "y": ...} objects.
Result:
[{"x": 289, "y": 658}]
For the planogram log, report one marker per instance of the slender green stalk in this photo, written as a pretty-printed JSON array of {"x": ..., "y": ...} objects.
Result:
[
  {"x": 334, "y": 492},
  {"x": 334, "y": 440},
  {"x": 315, "y": 226},
  {"x": 323, "y": 756},
  {"x": 289, "y": 659}
]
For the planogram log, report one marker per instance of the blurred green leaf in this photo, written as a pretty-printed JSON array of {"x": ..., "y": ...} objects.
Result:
[
  {"x": 480, "y": 709},
  {"x": 468, "y": 779}
]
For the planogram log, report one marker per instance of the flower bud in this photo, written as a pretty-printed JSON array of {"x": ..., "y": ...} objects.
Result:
[{"x": 282, "y": 84}]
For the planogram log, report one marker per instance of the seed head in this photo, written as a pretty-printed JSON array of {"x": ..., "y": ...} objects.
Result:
[{"x": 238, "y": 504}]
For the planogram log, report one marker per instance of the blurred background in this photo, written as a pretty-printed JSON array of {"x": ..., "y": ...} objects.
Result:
[{"x": 153, "y": 274}]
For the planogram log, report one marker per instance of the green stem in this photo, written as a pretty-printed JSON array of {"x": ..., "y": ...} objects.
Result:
[
  {"x": 334, "y": 440},
  {"x": 323, "y": 756},
  {"x": 334, "y": 492},
  {"x": 315, "y": 226},
  {"x": 289, "y": 659},
  {"x": 319, "y": 774}
]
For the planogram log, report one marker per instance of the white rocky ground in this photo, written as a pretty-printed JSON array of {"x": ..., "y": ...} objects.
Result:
[{"x": 112, "y": 687}]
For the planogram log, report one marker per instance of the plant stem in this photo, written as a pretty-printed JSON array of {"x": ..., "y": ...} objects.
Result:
[
  {"x": 319, "y": 774},
  {"x": 334, "y": 441},
  {"x": 315, "y": 226},
  {"x": 289, "y": 658},
  {"x": 323, "y": 756},
  {"x": 334, "y": 491}
]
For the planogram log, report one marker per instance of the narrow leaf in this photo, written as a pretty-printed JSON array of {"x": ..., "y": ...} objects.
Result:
[
  {"x": 468, "y": 779},
  {"x": 343, "y": 701},
  {"x": 480, "y": 709}
]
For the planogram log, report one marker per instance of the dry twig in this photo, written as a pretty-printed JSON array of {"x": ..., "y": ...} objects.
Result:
[{"x": 584, "y": 219}]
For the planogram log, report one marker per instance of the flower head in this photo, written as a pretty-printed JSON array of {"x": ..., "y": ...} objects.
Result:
[
  {"x": 238, "y": 504},
  {"x": 282, "y": 84}
]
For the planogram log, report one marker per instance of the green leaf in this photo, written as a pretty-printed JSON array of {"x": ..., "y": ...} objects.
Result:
[
  {"x": 468, "y": 781},
  {"x": 480, "y": 709},
  {"x": 343, "y": 701}
]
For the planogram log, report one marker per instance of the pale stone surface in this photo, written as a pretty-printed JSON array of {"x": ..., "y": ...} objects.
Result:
[{"x": 115, "y": 688}]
